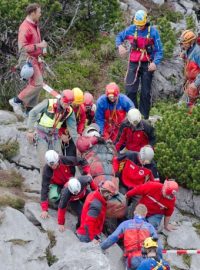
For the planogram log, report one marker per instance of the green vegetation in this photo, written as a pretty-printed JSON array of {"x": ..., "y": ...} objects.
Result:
[
  {"x": 9, "y": 149},
  {"x": 10, "y": 179},
  {"x": 197, "y": 227},
  {"x": 190, "y": 22},
  {"x": 177, "y": 148},
  {"x": 187, "y": 259},
  {"x": 12, "y": 201},
  {"x": 51, "y": 259}
]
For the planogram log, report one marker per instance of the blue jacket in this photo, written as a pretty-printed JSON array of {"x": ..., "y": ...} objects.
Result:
[
  {"x": 125, "y": 226},
  {"x": 124, "y": 104},
  {"x": 128, "y": 34},
  {"x": 150, "y": 263}
]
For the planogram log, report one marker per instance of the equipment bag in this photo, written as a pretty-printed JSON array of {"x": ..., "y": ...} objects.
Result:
[{"x": 116, "y": 206}]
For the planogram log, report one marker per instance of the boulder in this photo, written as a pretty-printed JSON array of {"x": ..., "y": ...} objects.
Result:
[
  {"x": 7, "y": 118},
  {"x": 22, "y": 244},
  {"x": 158, "y": 2}
]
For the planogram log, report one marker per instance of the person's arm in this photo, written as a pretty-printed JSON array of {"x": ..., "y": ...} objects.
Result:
[
  {"x": 150, "y": 131},
  {"x": 126, "y": 103},
  {"x": 46, "y": 178},
  {"x": 99, "y": 114},
  {"x": 139, "y": 190},
  {"x": 72, "y": 127},
  {"x": 158, "y": 48},
  {"x": 121, "y": 140},
  {"x": 123, "y": 35},
  {"x": 197, "y": 60},
  {"x": 82, "y": 121},
  {"x": 33, "y": 114},
  {"x": 114, "y": 237},
  {"x": 64, "y": 199}
]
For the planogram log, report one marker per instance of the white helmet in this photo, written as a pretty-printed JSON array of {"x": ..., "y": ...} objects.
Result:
[
  {"x": 27, "y": 71},
  {"x": 134, "y": 116},
  {"x": 51, "y": 157},
  {"x": 92, "y": 130},
  {"x": 74, "y": 186},
  {"x": 146, "y": 154}
]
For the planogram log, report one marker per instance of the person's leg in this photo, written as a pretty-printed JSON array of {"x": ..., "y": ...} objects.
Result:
[
  {"x": 145, "y": 96},
  {"x": 77, "y": 207},
  {"x": 30, "y": 94},
  {"x": 42, "y": 147},
  {"x": 132, "y": 82},
  {"x": 155, "y": 220},
  {"x": 56, "y": 145},
  {"x": 83, "y": 238}
]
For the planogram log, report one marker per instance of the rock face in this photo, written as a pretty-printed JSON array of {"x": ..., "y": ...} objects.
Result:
[{"x": 22, "y": 245}]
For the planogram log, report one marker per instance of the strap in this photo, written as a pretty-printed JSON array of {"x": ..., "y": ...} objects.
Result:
[
  {"x": 154, "y": 200},
  {"x": 159, "y": 264}
]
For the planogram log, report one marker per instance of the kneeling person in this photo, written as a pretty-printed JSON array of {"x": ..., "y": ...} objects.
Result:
[{"x": 73, "y": 194}]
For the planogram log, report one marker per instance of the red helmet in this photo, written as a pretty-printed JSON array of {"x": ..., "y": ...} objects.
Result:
[
  {"x": 67, "y": 96},
  {"x": 110, "y": 187},
  {"x": 88, "y": 99},
  {"x": 112, "y": 89},
  {"x": 170, "y": 187}
]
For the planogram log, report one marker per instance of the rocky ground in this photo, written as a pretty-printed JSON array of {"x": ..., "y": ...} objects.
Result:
[{"x": 28, "y": 242}]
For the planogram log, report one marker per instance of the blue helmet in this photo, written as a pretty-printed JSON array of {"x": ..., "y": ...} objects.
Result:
[{"x": 27, "y": 71}]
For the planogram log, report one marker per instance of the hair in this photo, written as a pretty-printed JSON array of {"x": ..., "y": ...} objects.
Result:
[
  {"x": 140, "y": 210},
  {"x": 32, "y": 8}
]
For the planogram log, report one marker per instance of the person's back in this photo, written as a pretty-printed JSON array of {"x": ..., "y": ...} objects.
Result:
[{"x": 152, "y": 263}]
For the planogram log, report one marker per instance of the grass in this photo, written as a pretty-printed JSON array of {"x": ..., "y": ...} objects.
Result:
[
  {"x": 14, "y": 202},
  {"x": 51, "y": 259},
  {"x": 187, "y": 259},
  {"x": 10, "y": 179},
  {"x": 9, "y": 149},
  {"x": 19, "y": 242},
  {"x": 197, "y": 227}
]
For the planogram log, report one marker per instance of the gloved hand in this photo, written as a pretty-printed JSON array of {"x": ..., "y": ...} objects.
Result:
[{"x": 101, "y": 140}]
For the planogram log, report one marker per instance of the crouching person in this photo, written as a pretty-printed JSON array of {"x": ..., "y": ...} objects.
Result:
[
  {"x": 151, "y": 259},
  {"x": 73, "y": 194},
  {"x": 56, "y": 173},
  {"x": 94, "y": 212},
  {"x": 133, "y": 232}
]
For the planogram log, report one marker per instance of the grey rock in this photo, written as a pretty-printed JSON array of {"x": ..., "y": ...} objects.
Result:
[
  {"x": 196, "y": 200},
  {"x": 22, "y": 245},
  {"x": 195, "y": 262},
  {"x": 132, "y": 4},
  {"x": 158, "y": 2},
  {"x": 32, "y": 180},
  {"x": 123, "y": 6},
  {"x": 185, "y": 200},
  {"x": 181, "y": 239},
  {"x": 7, "y": 118}
]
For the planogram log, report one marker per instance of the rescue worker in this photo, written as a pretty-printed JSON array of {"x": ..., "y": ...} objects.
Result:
[
  {"x": 145, "y": 54},
  {"x": 133, "y": 232},
  {"x": 134, "y": 132},
  {"x": 111, "y": 111},
  {"x": 137, "y": 168},
  {"x": 68, "y": 146},
  {"x": 151, "y": 260},
  {"x": 56, "y": 173},
  {"x": 90, "y": 108},
  {"x": 73, "y": 194},
  {"x": 94, "y": 212},
  {"x": 191, "y": 56},
  {"x": 31, "y": 47},
  {"x": 52, "y": 114},
  {"x": 159, "y": 199}
]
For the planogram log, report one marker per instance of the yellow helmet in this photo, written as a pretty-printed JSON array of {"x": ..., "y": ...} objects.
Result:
[
  {"x": 78, "y": 96},
  {"x": 187, "y": 36},
  {"x": 149, "y": 242},
  {"x": 140, "y": 18}
]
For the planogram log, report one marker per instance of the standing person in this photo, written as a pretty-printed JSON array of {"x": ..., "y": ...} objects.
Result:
[
  {"x": 191, "y": 56},
  {"x": 30, "y": 48},
  {"x": 145, "y": 54},
  {"x": 94, "y": 212},
  {"x": 56, "y": 173},
  {"x": 52, "y": 113},
  {"x": 159, "y": 199},
  {"x": 74, "y": 194},
  {"x": 133, "y": 232},
  {"x": 152, "y": 260},
  {"x": 90, "y": 108},
  {"x": 111, "y": 111},
  {"x": 134, "y": 133}
]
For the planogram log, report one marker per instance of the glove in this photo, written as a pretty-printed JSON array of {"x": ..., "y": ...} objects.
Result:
[{"x": 101, "y": 140}]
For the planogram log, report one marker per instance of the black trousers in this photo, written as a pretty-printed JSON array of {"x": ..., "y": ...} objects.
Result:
[{"x": 132, "y": 84}]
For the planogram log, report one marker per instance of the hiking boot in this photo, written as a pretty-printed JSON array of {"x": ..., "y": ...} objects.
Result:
[{"x": 17, "y": 107}]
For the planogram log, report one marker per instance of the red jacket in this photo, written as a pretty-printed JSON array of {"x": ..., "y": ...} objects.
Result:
[
  {"x": 80, "y": 118},
  {"x": 28, "y": 36},
  {"x": 93, "y": 215},
  {"x": 152, "y": 197}
]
